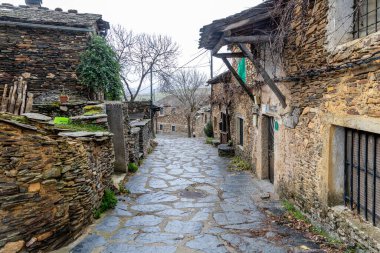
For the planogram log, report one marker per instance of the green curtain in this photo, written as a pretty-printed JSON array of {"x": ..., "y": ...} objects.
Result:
[{"x": 242, "y": 70}]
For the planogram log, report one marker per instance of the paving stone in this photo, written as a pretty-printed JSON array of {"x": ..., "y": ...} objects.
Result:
[
  {"x": 184, "y": 227},
  {"x": 150, "y": 208},
  {"x": 157, "y": 197},
  {"x": 157, "y": 183},
  {"x": 108, "y": 224},
  {"x": 207, "y": 243},
  {"x": 145, "y": 220},
  {"x": 125, "y": 234},
  {"x": 158, "y": 238},
  {"x": 231, "y": 218},
  {"x": 174, "y": 213},
  {"x": 89, "y": 243},
  {"x": 128, "y": 248},
  {"x": 247, "y": 244},
  {"x": 155, "y": 218}
]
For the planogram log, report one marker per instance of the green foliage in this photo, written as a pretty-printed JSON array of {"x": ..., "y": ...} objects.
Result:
[
  {"x": 81, "y": 127},
  {"x": 294, "y": 211},
  {"x": 99, "y": 69},
  {"x": 209, "y": 132},
  {"x": 239, "y": 164},
  {"x": 132, "y": 167},
  {"x": 122, "y": 188},
  {"x": 109, "y": 201},
  {"x": 92, "y": 110},
  {"x": 209, "y": 140}
]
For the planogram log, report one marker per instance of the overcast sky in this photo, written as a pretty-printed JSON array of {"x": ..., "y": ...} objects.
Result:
[{"x": 176, "y": 18}]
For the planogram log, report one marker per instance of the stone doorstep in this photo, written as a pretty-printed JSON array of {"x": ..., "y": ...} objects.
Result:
[{"x": 117, "y": 178}]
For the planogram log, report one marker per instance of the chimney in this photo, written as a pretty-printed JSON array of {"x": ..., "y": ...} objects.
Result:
[{"x": 33, "y": 3}]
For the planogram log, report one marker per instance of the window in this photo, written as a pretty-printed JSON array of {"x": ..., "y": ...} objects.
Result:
[
  {"x": 215, "y": 122},
  {"x": 161, "y": 127},
  {"x": 162, "y": 111},
  {"x": 173, "y": 110},
  {"x": 366, "y": 20},
  {"x": 240, "y": 131},
  {"x": 362, "y": 173},
  {"x": 205, "y": 118},
  {"x": 173, "y": 128}
]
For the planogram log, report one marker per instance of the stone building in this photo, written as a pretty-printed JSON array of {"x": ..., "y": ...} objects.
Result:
[
  {"x": 44, "y": 47},
  {"x": 172, "y": 116},
  {"x": 314, "y": 108},
  {"x": 202, "y": 117},
  {"x": 231, "y": 111}
]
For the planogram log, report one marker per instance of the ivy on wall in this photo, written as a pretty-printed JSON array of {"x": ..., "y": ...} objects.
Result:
[{"x": 99, "y": 69}]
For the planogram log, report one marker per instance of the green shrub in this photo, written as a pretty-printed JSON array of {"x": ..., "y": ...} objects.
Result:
[
  {"x": 209, "y": 140},
  {"x": 209, "y": 132},
  {"x": 132, "y": 167},
  {"x": 99, "y": 70},
  {"x": 109, "y": 201}
]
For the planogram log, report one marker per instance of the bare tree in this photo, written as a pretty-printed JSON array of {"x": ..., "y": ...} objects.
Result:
[
  {"x": 188, "y": 87},
  {"x": 138, "y": 54}
]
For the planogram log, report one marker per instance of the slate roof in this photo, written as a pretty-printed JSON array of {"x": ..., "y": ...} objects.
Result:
[
  {"x": 45, "y": 16},
  {"x": 223, "y": 77},
  {"x": 259, "y": 15}
]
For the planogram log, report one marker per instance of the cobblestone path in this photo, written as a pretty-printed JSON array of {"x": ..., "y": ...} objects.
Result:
[{"x": 183, "y": 199}]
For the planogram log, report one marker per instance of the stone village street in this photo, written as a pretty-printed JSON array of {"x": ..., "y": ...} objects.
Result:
[{"x": 183, "y": 199}]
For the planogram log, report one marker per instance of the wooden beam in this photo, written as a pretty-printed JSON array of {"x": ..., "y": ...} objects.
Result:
[
  {"x": 264, "y": 74},
  {"x": 248, "y": 21},
  {"x": 248, "y": 39},
  {"x": 238, "y": 78},
  {"x": 220, "y": 43},
  {"x": 230, "y": 55}
]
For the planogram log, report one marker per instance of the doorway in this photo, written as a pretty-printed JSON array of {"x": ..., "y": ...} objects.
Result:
[{"x": 270, "y": 135}]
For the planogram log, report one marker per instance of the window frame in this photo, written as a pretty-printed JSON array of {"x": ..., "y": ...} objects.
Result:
[{"x": 360, "y": 18}]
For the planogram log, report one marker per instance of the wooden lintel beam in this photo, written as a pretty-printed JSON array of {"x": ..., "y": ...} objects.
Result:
[
  {"x": 248, "y": 21},
  {"x": 230, "y": 55},
  {"x": 220, "y": 43},
  {"x": 264, "y": 74},
  {"x": 248, "y": 39},
  {"x": 238, "y": 78}
]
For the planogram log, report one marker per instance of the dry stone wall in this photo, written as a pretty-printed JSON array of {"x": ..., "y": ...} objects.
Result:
[
  {"x": 49, "y": 185},
  {"x": 47, "y": 59}
]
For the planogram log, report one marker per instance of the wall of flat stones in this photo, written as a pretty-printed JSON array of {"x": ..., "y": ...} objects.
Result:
[
  {"x": 140, "y": 108},
  {"x": 49, "y": 186},
  {"x": 200, "y": 122},
  {"x": 46, "y": 59},
  {"x": 346, "y": 98},
  {"x": 170, "y": 118},
  {"x": 61, "y": 110},
  {"x": 240, "y": 106},
  {"x": 133, "y": 142}
]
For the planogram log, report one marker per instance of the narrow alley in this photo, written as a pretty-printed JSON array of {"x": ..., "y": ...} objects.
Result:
[{"x": 184, "y": 199}]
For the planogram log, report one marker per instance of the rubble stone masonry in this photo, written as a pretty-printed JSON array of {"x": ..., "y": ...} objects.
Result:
[
  {"x": 342, "y": 94},
  {"x": 47, "y": 59},
  {"x": 49, "y": 186}
]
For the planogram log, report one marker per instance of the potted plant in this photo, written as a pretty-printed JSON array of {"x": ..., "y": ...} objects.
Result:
[{"x": 63, "y": 98}]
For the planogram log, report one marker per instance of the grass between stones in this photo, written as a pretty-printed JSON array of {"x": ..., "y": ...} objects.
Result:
[
  {"x": 82, "y": 127},
  {"x": 238, "y": 164},
  {"x": 296, "y": 219},
  {"x": 109, "y": 201}
]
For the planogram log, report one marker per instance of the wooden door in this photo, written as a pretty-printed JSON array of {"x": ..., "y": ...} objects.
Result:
[{"x": 271, "y": 149}]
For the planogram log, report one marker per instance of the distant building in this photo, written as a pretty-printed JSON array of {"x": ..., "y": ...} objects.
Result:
[
  {"x": 172, "y": 116},
  {"x": 44, "y": 47}
]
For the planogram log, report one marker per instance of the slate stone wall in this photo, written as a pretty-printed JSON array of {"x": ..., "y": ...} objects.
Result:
[
  {"x": 49, "y": 186},
  {"x": 47, "y": 59}
]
